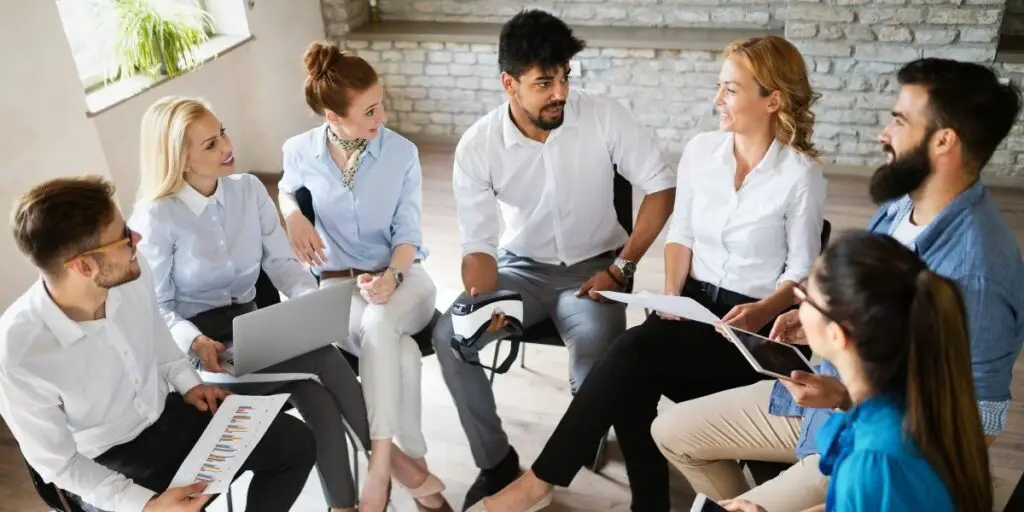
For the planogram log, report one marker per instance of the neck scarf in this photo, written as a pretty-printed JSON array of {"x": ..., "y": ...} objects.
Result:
[{"x": 355, "y": 149}]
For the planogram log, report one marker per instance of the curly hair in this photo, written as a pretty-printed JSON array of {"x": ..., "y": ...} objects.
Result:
[
  {"x": 778, "y": 66},
  {"x": 535, "y": 38}
]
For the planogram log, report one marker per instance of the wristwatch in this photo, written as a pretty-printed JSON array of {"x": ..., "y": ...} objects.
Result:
[
  {"x": 397, "y": 274},
  {"x": 628, "y": 268}
]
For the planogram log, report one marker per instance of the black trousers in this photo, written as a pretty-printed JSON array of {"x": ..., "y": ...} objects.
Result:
[
  {"x": 280, "y": 463},
  {"x": 682, "y": 360}
]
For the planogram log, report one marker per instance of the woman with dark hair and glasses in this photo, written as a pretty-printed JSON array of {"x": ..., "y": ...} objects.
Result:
[{"x": 897, "y": 333}]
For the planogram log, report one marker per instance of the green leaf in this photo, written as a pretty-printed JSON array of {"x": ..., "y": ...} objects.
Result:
[{"x": 156, "y": 37}]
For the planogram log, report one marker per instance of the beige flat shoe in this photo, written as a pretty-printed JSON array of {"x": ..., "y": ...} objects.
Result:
[
  {"x": 545, "y": 502},
  {"x": 431, "y": 486}
]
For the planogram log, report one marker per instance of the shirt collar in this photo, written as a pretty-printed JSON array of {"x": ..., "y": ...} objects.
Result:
[
  {"x": 66, "y": 330},
  {"x": 724, "y": 154},
  {"x": 511, "y": 134},
  {"x": 963, "y": 202},
  {"x": 320, "y": 140},
  {"x": 197, "y": 202}
]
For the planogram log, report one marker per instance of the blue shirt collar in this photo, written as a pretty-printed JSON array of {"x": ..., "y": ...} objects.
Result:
[
  {"x": 967, "y": 200},
  {"x": 372, "y": 147}
]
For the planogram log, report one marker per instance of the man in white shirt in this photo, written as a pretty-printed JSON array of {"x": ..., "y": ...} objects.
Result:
[
  {"x": 97, "y": 394},
  {"x": 547, "y": 159}
]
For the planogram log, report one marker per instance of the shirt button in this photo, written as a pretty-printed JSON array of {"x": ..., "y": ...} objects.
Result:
[{"x": 135, "y": 381}]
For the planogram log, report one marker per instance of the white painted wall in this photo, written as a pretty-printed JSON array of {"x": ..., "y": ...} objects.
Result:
[
  {"x": 256, "y": 91},
  {"x": 43, "y": 129}
]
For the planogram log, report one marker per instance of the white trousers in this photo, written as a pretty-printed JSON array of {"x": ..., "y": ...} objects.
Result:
[{"x": 389, "y": 359}]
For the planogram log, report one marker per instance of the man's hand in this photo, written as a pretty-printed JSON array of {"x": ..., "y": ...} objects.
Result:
[
  {"x": 817, "y": 391},
  {"x": 788, "y": 329},
  {"x": 377, "y": 289},
  {"x": 179, "y": 499},
  {"x": 749, "y": 317},
  {"x": 209, "y": 352},
  {"x": 741, "y": 506},
  {"x": 498, "y": 320},
  {"x": 601, "y": 281},
  {"x": 205, "y": 397}
]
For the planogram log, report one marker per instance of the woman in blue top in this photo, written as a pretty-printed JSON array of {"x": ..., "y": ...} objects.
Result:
[
  {"x": 365, "y": 184},
  {"x": 897, "y": 333}
]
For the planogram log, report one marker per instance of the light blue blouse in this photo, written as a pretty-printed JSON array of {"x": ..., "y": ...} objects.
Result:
[
  {"x": 361, "y": 227},
  {"x": 874, "y": 466},
  {"x": 207, "y": 252}
]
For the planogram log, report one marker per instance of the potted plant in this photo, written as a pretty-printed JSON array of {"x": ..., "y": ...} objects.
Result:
[{"x": 156, "y": 37}]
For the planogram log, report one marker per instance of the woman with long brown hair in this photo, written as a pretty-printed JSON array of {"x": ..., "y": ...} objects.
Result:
[
  {"x": 897, "y": 333},
  {"x": 745, "y": 229}
]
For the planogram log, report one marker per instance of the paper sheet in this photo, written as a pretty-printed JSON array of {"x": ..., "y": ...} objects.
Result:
[
  {"x": 228, "y": 440},
  {"x": 683, "y": 307}
]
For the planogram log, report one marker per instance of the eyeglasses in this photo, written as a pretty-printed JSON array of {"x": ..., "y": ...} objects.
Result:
[
  {"x": 127, "y": 238},
  {"x": 801, "y": 295}
]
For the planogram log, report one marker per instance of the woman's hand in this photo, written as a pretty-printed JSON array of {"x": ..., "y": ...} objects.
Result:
[
  {"x": 305, "y": 241},
  {"x": 741, "y": 506},
  {"x": 208, "y": 351},
  {"x": 748, "y": 317},
  {"x": 788, "y": 329},
  {"x": 377, "y": 289}
]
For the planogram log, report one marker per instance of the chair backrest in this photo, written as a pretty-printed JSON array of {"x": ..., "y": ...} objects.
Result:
[
  {"x": 54, "y": 497},
  {"x": 266, "y": 293},
  {"x": 622, "y": 198}
]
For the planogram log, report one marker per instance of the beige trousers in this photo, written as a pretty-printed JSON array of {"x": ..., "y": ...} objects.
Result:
[{"x": 704, "y": 438}]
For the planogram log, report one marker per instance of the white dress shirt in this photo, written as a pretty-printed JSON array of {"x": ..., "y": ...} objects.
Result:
[
  {"x": 70, "y": 390},
  {"x": 750, "y": 240},
  {"x": 555, "y": 197},
  {"x": 207, "y": 252}
]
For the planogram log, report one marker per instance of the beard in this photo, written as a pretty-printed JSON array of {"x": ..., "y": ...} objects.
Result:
[
  {"x": 538, "y": 120},
  {"x": 903, "y": 175},
  {"x": 110, "y": 276}
]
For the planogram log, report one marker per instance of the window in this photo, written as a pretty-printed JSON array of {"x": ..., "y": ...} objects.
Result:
[{"x": 84, "y": 24}]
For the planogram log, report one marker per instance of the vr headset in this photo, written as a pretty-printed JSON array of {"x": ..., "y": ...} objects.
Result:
[{"x": 472, "y": 315}]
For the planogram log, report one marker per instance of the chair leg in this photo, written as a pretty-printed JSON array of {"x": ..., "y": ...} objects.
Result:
[
  {"x": 231, "y": 501},
  {"x": 522, "y": 356},
  {"x": 595, "y": 466}
]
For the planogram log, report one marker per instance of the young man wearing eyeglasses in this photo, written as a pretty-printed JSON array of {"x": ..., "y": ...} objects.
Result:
[
  {"x": 948, "y": 120},
  {"x": 97, "y": 394}
]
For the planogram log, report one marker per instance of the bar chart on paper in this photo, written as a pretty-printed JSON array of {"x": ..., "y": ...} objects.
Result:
[{"x": 228, "y": 440}]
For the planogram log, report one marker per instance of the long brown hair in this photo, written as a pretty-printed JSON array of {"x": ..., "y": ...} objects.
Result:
[
  {"x": 909, "y": 327},
  {"x": 778, "y": 66}
]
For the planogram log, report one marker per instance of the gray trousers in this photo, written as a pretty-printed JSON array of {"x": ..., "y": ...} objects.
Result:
[
  {"x": 325, "y": 407},
  {"x": 587, "y": 328}
]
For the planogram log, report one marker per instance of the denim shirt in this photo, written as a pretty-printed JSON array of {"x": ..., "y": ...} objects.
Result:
[
  {"x": 360, "y": 227},
  {"x": 970, "y": 243},
  {"x": 873, "y": 465}
]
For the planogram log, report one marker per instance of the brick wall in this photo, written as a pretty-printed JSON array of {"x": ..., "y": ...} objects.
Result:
[
  {"x": 340, "y": 16},
  {"x": 1013, "y": 20},
  {"x": 645, "y": 13},
  {"x": 852, "y": 48}
]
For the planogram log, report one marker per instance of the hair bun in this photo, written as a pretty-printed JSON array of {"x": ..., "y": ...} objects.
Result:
[{"x": 320, "y": 57}]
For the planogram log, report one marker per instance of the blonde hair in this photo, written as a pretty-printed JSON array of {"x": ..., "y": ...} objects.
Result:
[
  {"x": 163, "y": 147},
  {"x": 778, "y": 66}
]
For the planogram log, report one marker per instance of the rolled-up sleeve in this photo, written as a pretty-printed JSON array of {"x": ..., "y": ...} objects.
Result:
[
  {"x": 805, "y": 216},
  {"x": 405, "y": 225},
  {"x": 680, "y": 230},
  {"x": 33, "y": 412},
  {"x": 635, "y": 151},
  {"x": 475, "y": 202},
  {"x": 286, "y": 272},
  {"x": 157, "y": 247}
]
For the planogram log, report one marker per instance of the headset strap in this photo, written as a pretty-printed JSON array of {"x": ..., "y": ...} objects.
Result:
[{"x": 501, "y": 368}]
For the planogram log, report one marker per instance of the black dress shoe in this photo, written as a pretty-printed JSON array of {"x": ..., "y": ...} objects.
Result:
[{"x": 490, "y": 481}]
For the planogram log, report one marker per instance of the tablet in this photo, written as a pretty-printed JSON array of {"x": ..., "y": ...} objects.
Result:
[
  {"x": 772, "y": 358},
  {"x": 705, "y": 504}
]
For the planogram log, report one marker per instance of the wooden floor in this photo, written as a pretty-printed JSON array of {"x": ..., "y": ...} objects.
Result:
[{"x": 532, "y": 400}]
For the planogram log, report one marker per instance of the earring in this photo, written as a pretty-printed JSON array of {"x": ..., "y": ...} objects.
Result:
[{"x": 188, "y": 169}]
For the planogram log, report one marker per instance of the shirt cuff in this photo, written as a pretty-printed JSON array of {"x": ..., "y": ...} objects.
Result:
[
  {"x": 185, "y": 379},
  {"x": 490, "y": 250},
  {"x": 135, "y": 498},
  {"x": 184, "y": 333},
  {"x": 993, "y": 416},
  {"x": 684, "y": 241},
  {"x": 665, "y": 181}
]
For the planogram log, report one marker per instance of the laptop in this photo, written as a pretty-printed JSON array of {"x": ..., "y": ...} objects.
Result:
[{"x": 277, "y": 333}]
